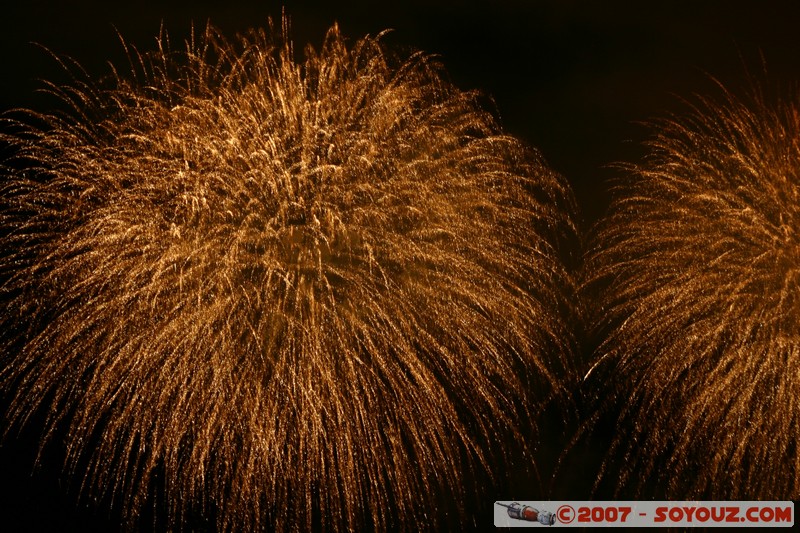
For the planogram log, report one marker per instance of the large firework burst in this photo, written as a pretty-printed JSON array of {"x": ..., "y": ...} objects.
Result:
[
  {"x": 280, "y": 285},
  {"x": 698, "y": 271}
]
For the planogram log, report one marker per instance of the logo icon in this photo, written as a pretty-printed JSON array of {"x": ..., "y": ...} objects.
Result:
[{"x": 526, "y": 512}]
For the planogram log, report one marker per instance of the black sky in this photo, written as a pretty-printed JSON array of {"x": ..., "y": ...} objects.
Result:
[{"x": 573, "y": 79}]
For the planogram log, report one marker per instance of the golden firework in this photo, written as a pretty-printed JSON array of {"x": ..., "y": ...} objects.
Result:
[
  {"x": 298, "y": 293},
  {"x": 698, "y": 271}
]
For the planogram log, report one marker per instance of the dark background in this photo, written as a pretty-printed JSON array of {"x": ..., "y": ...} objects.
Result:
[{"x": 573, "y": 79}]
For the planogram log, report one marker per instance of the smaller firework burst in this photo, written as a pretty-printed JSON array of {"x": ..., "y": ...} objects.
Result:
[{"x": 697, "y": 268}]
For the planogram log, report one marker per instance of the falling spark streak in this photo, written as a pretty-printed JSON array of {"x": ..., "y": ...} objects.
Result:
[
  {"x": 275, "y": 286},
  {"x": 698, "y": 271}
]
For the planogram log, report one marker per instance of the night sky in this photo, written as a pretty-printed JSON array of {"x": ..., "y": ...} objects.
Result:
[{"x": 575, "y": 80}]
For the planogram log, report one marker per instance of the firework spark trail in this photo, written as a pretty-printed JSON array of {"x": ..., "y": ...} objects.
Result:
[
  {"x": 698, "y": 271},
  {"x": 284, "y": 285}
]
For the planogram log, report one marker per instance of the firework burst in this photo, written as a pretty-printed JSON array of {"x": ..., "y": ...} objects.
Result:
[
  {"x": 275, "y": 285},
  {"x": 697, "y": 268}
]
